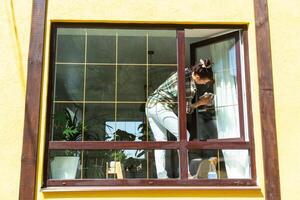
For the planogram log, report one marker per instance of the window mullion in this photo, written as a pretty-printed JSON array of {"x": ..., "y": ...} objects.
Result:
[
  {"x": 181, "y": 85},
  {"x": 182, "y": 104}
]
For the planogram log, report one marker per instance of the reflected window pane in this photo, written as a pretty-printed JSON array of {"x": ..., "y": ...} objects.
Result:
[
  {"x": 132, "y": 83},
  {"x": 132, "y": 49},
  {"x": 101, "y": 49},
  {"x": 125, "y": 130},
  {"x": 162, "y": 47},
  {"x": 220, "y": 164},
  {"x": 100, "y": 83},
  {"x": 131, "y": 123},
  {"x": 202, "y": 52},
  {"x": 158, "y": 75},
  {"x": 70, "y": 48},
  {"x": 96, "y": 162},
  {"x": 69, "y": 82}
]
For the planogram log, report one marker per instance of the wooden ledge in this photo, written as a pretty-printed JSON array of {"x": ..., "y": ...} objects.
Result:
[{"x": 143, "y": 188}]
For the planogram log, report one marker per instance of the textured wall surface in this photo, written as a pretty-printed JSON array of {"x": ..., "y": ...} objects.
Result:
[
  {"x": 14, "y": 43},
  {"x": 285, "y": 41}
]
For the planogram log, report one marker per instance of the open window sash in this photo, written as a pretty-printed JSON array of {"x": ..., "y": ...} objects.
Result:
[{"x": 224, "y": 119}]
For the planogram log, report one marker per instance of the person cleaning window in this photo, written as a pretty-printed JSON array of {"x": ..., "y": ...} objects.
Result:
[{"x": 160, "y": 105}]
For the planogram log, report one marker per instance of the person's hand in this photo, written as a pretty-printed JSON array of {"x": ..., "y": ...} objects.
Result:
[{"x": 205, "y": 99}]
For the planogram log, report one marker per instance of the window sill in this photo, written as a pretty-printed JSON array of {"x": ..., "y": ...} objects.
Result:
[
  {"x": 143, "y": 188},
  {"x": 152, "y": 191}
]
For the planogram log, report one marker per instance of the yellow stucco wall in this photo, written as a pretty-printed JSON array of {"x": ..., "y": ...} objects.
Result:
[
  {"x": 14, "y": 43},
  {"x": 285, "y": 40}
]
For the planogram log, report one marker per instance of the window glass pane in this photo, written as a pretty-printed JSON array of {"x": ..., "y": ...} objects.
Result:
[
  {"x": 206, "y": 124},
  {"x": 101, "y": 48},
  {"x": 94, "y": 83},
  {"x": 100, "y": 83},
  {"x": 118, "y": 164},
  {"x": 69, "y": 82},
  {"x": 220, "y": 164},
  {"x": 70, "y": 45},
  {"x": 64, "y": 164},
  {"x": 109, "y": 164},
  {"x": 131, "y": 164},
  {"x": 67, "y": 123},
  {"x": 158, "y": 75},
  {"x": 95, "y": 163},
  {"x": 124, "y": 130},
  {"x": 132, "y": 46},
  {"x": 162, "y": 47},
  {"x": 96, "y": 116},
  {"x": 131, "y": 123},
  {"x": 225, "y": 87},
  {"x": 132, "y": 83}
]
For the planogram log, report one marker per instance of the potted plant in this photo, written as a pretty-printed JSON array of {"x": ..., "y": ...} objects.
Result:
[{"x": 65, "y": 166}]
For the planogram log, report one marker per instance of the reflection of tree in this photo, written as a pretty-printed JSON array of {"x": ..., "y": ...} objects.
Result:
[
  {"x": 121, "y": 135},
  {"x": 134, "y": 166}
]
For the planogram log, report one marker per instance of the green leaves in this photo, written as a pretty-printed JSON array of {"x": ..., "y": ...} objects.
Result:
[{"x": 70, "y": 125}]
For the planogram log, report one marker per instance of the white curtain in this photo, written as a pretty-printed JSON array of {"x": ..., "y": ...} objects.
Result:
[{"x": 226, "y": 103}]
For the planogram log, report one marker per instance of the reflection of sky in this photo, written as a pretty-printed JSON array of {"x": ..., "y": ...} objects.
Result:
[{"x": 128, "y": 126}]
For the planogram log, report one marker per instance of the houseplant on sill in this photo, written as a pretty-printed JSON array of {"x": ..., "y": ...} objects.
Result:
[{"x": 65, "y": 165}]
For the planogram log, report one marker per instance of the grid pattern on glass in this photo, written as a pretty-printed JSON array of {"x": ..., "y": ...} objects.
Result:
[
  {"x": 73, "y": 83},
  {"x": 219, "y": 164},
  {"x": 109, "y": 164},
  {"x": 132, "y": 83},
  {"x": 97, "y": 114},
  {"x": 100, "y": 83},
  {"x": 70, "y": 48},
  {"x": 104, "y": 69},
  {"x": 162, "y": 50}
]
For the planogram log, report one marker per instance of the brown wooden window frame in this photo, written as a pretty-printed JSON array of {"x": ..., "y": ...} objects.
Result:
[{"x": 182, "y": 145}]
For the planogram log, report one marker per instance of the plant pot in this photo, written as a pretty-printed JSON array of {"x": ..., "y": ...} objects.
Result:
[{"x": 64, "y": 167}]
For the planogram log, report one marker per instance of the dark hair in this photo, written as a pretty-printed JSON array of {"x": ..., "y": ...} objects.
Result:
[{"x": 204, "y": 69}]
